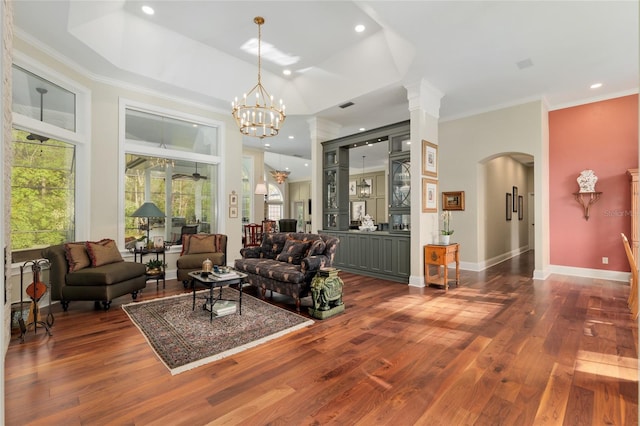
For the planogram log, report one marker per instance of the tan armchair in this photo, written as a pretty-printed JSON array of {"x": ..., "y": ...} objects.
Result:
[{"x": 196, "y": 248}]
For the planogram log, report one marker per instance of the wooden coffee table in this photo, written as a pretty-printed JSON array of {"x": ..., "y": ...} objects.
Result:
[{"x": 213, "y": 282}]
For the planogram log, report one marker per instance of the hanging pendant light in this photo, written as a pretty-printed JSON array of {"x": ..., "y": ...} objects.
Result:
[
  {"x": 35, "y": 136},
  {"x": 280, "y": 175},
  {"x": 262, "y": 119},
  {"x": 363, "y": 188}
]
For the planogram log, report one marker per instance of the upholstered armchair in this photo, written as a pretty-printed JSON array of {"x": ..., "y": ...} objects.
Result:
[{"x": 196, "y": 248}]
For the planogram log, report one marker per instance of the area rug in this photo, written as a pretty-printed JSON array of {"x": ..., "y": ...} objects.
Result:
[{"x": 184, "y": 338}]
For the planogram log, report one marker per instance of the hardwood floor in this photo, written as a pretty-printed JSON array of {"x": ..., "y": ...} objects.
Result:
[{"x": 499, "y": 349}]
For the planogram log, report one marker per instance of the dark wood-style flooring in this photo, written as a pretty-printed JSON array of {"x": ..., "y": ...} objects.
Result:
[{"x": 501, "y": 349}]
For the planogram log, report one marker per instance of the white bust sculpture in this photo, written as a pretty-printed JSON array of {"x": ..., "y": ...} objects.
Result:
[
  {"x": 587, "y": 181},
  {"x": 367, "y": 224}
]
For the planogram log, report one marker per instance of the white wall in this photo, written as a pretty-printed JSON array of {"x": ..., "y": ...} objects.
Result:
[{"x": 464, "y": 146}]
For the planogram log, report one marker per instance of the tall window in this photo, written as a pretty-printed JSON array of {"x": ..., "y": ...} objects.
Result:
[
  {"x": 49, "y": 138},
  {"x": 42, "y": 192},
  {"x": 173, "y": 162},
  {"x": 274, "y": 203}
]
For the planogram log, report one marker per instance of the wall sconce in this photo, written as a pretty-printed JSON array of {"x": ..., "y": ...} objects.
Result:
[{"x": 587, "y": 196}]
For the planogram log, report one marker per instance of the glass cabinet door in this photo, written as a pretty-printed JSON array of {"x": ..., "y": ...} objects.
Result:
[
  {"x": 400, "y": 183},
  {"x": 331, "y": 190}
]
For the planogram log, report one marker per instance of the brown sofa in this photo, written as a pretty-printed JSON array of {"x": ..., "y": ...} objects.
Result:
[
  {"x": 196, "y": 248},
  {"x": 97, "y": 273},
  {"x": 286, "y": 262}
]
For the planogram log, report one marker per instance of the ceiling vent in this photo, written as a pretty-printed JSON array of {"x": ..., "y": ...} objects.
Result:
[{"x": 346, "y": 105}]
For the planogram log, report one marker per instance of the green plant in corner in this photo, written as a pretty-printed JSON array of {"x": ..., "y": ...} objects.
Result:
[{"x": 446, "y": 222}]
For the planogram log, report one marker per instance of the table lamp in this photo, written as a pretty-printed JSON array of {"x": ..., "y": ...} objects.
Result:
[
  {"x": 148, "y": 210},
  {"x": 261, "y": 189}
]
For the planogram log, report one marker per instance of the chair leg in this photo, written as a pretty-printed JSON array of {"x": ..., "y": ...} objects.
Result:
[{"x": 297, "y": 304}]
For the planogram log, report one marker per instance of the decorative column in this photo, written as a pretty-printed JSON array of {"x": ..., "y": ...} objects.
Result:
[
  {"x": 320, "y": 131},
  {"x": 424, "y": 108}
]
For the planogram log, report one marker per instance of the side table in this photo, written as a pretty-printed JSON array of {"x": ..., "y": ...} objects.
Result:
[
  {"x": 441, "y": 255},
  {"x": 157, "y": 251}
]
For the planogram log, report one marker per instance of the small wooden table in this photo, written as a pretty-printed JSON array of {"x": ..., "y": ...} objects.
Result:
[
  {"x": 441, "y": 255},
  {"x": 211, "y": 281}
]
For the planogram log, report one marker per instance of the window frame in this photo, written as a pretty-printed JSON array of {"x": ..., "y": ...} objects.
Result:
[
  {"x": 133, "y": 148},
  {"x": 81, "y": 137}
]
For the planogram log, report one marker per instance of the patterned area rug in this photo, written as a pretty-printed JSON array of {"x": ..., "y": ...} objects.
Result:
[{"x": 184, "y": 338}]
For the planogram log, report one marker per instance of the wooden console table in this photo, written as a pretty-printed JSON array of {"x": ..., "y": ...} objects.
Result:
[{"x": 441, "y": 255}]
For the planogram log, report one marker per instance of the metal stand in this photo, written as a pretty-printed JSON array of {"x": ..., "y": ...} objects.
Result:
[{"x": 36, "y": 268}]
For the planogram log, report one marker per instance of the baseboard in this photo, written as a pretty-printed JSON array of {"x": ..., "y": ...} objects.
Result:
[{"x": 601, "y": 274}]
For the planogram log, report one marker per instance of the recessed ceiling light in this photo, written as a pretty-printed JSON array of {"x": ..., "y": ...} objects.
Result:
[
  {"x": 306, "y": 164},
  {"x": 408, "y": 142},
  {"x": 267, "y": 145},
  {"x": 596, "y": 85},
  {"x": 359, "y": 28},
  {"x": 286, "y": 72},
  {"x": 148, "y": 10},
  {"x": 362, "y": 129},
  {"x": 292, "y": 137}
]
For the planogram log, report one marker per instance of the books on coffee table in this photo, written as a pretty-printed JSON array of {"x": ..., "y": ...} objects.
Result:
[
  {"x": 222, "y": 307},
  {"x": 230, "y": 274}
]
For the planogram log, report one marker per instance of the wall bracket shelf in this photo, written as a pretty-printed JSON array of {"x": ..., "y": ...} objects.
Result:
[{"x": 586, "y": 200}]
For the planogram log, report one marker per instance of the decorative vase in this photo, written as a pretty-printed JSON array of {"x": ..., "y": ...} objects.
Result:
[
  {"x": 140, "y": 245},
  {"x": 444, "y": 239}
]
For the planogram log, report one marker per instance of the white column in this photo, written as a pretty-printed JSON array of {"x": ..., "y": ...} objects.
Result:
[
  {"x": 320, "y": 131},
  {"x": 424, "y": 110}
]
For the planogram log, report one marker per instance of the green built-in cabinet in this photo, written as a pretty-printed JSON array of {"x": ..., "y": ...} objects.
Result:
[
  {"x": 380, "y": 254},
  {"x": 384, "y": 254}
]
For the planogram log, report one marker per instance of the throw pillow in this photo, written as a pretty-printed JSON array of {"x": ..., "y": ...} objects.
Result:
[
  {"x": 77, "y": 256},
  {"x": 317, "y": 247},
  {"x": 272, "y": 245},
  {"x": 103, "y": 252},
  {"x": 293, "y": 251},
  {"x": 200, "y": 243}
]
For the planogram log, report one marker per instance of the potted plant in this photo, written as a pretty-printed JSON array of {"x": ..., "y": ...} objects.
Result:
[
  {"x": 140, "y": 242},
  {"x": 155, "y": 266},
  {"x": 446, "y": 228}
]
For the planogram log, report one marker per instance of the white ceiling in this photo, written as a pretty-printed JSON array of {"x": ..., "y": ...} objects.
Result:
[{"x": 468, "y": 50}]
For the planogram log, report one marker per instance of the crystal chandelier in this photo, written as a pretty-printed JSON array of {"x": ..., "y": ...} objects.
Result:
[
  {"x": 364, "y": 189},
  {"x": 280, "y": 175},
  {"x": 262, "y": 119}
]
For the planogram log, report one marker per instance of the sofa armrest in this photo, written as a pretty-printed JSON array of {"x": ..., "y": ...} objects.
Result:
[
  {"x": 250, "y": 252},
  {"x": 314, "y": 263}
]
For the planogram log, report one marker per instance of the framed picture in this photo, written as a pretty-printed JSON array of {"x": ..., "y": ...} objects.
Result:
[
  {"x": 429, "y": 159},
  {"x": 429, "y": 195},
  {"x": 358, "y": 210},
  {"x": 352, "y": 187},
  {"x": 453, "y": 200},
  {"x": 515, "y": 198},
  {"x": 520, "y": 207},
  {"x": 509, "y": 203},
  {"x": 233, "y": 199},
  {"x": 233, "y": 212},
  {"x": 158, "y": 242}
]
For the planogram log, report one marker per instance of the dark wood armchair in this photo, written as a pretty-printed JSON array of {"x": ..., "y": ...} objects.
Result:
[{"x": 253, "y": 235}]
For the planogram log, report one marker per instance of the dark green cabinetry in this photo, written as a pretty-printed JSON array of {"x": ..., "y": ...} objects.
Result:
[{"x": 380, "y": 254}]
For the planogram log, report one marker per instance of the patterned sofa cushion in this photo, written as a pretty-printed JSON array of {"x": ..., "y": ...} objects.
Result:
[{"x": 271, "y": 269}]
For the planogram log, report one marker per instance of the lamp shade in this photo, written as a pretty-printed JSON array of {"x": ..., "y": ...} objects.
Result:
[
  {"x": 148, "y": 209},
  {"x": 261, "y": 189}
]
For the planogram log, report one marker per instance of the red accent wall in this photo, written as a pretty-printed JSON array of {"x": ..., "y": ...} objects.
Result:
[{"x": 601, "y": 136}]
